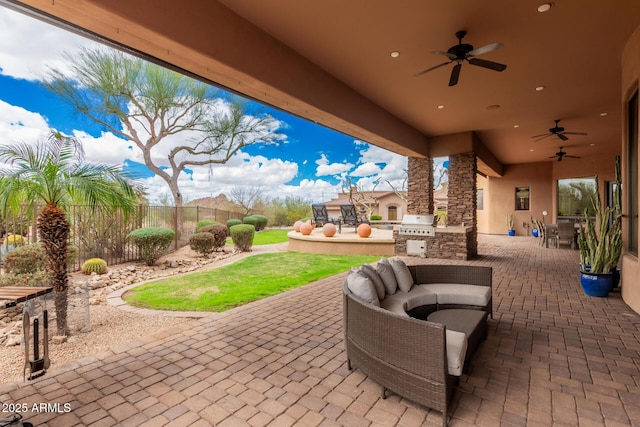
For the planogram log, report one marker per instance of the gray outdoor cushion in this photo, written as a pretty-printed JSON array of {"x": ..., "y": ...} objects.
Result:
[
  {"x": 401, "y": 302},
  {"x": 387, "y": 275},
  {"x": 402, "y": 273},
  {"x": 362, "y": 287},
  {"x": 372, "y": 274},
  {"x": 456, "y": 351},
  {"x": 451, "y": 293}
]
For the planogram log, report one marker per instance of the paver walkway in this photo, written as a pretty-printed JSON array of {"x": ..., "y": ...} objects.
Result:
[{"x": 553, "y": 357}]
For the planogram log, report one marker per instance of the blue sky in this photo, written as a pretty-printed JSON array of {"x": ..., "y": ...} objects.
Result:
[{"x": 311, "y": 162}]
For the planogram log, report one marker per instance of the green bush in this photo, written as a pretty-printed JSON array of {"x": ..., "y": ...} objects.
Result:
[
  {"x": 204, "y": 223},
  {"x": 242, "y": 235},
  {"x": 251, "y": 219},
  {"x": 203, "y": 242},
  {"x": 376, "y": 217},
  {"x": 25, "y": 259},
  {"x": 152, "y": 242},
  {"x": 94, "y": 265},
  {"x": 232, "y": 222},
  {"x": 220, "y": 233},
  {"x": 262, "y": 222},
  {"x": 34, "y": 278}
]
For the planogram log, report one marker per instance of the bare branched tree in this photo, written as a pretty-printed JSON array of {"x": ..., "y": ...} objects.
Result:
[{"x": 160, "y": 111}]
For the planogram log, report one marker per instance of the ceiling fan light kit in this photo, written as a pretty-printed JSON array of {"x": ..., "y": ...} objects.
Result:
[{"x": 465, "y": 52}]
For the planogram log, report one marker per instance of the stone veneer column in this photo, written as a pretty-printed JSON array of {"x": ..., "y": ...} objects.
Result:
[
  {"x": 420, "y": 186},
  {"x": 462, "y": 193}
]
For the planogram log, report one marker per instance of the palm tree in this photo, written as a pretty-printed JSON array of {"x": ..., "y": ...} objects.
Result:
[{"x": 54, "y": 173}]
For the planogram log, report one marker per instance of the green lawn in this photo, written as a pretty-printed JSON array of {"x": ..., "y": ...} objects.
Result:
[
  {"x": 268, "y": 237},
  {"x": 247, "y": 280}
]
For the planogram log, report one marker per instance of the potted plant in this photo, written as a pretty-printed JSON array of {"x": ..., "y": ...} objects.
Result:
[
  {"x": 600, "y": 241},
  {"x": 510, "y": 230},
  {"x": 534, "y": 227}
]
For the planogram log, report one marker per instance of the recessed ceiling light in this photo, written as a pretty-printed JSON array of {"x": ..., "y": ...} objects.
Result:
[
  {"x": 493, "y": 107},
  {"x": 440, "y": 107},
  {"x": 531, "y": 149},
  {"x": 544, "y": 7},
  {"x": 603, "y": 114},
  {"x": 516, "y": 126},
  {"x": 592, "y": 144},
  {"x": 539, "y": 88},
  {"x": 395, "y": 54}
]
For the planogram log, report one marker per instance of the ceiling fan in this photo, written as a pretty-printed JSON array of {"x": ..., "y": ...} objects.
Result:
[
  {"x": 562, "y": 154},
  {"x": 465, "y": 52},
  {"x": 558, "y": 131}
]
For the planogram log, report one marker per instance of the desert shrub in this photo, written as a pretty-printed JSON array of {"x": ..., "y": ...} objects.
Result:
[
  {"x": 261, "y": 223},
  {"x": 242, "y": 235},
  {"x": 251, "y": 219},
  {"x": 94, "y": 265},
  {"x": 220, "y": 233},
  {"x": 204, "y": 223},
  {"x": 13, "y": 240},
  {"x": 376, "y": 218},
  {"x": 25, "y": 259},
  {"x": 152, "y": 242},
  {"x": 34, "y": 278},
  {"x": 202, "y": 242},
  {"x": 232, "y": 222}
]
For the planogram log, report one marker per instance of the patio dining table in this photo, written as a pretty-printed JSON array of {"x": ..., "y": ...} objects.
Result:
[{"x": 12, "y": 295}]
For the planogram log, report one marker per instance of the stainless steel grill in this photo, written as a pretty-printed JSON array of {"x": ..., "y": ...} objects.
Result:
[{"x": 418, "y": 225}]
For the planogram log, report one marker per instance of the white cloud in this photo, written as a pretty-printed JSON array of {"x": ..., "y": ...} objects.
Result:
[
  {"x": 20, "y": 125},
  {"x": 366, "y": 169},
  {"x": 28, "y": 46},
  {"x": 325, "y": 168}
]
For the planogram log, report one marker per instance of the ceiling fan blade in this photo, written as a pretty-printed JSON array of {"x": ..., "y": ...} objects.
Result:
[
  {"x": 575, "y": 133},
  {"x": 541, "y": 137},
  {"x": 573, "y": 157},
  {"x": 484, "y": 49},
  {"x": 455, "y": 74},
  {"x": 451, "y": 56},
  {"x": 487, "y": 64},
  {"x": 431, "y": 69},
  {"x": 562, "y": 137}
]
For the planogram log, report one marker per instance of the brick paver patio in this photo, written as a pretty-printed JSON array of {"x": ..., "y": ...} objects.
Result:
[{"x": 553, "y": 357}]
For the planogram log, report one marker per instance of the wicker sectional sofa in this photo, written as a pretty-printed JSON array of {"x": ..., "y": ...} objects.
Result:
[{"x": 418, "y": 340}]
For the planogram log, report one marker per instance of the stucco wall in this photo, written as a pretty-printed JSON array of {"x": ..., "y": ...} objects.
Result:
[{"x": 630, "y": 77}]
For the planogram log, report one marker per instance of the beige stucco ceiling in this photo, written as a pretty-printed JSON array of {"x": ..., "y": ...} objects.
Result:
[{"x": 330, "y": 61}]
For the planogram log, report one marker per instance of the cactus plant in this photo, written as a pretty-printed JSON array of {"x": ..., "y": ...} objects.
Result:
[{"x": 94, "y": 265}]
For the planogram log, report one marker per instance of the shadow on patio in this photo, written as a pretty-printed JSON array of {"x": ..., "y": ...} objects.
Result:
[{"x": 553, "y": 356}]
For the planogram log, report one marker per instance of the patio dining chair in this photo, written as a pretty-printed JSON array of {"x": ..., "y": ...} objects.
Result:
[
  {"x": 566, "y": 234},
  {"x": 321, "y": 217},
  {"x": 350, "y": 216}
]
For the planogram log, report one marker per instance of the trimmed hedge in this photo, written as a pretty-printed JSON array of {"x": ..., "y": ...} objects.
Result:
[
  {"x": 204, "y": 223},
  {"x": 262, "y": 222},
  {"x": 376, "y": 217},
  {"x": 202, "y": 242},
  {"x": 242, "y": 235},
  {"x": 232, "y": 222},
  {"x": 251, "y": 219},
  {"x": 152, "y": 242}
]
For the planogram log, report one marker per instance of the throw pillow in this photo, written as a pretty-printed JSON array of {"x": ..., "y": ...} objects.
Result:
[
  {"x": 402, "y": 273},
  {"x": 362, "y": 287},
  {"x": 385, "y": 271},
  {"x": 372, "y": 274}
]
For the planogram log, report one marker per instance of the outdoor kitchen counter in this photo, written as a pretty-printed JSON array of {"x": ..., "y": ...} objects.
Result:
[
  {"x": 450, "y": 242},
  {"x": 452, "y": 229}
]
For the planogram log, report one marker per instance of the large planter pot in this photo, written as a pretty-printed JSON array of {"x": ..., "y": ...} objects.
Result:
[
  {"x": 511, "y": 232},
  {"x": 596, "y": 284},
  {"x": 534, "y": 232}
]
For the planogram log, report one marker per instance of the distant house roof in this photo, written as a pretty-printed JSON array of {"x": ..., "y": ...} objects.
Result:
[{"x": 371, "y": 196}]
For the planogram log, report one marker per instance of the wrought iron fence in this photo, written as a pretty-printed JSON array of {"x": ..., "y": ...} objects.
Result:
[{"x": 99, "y": 233}]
